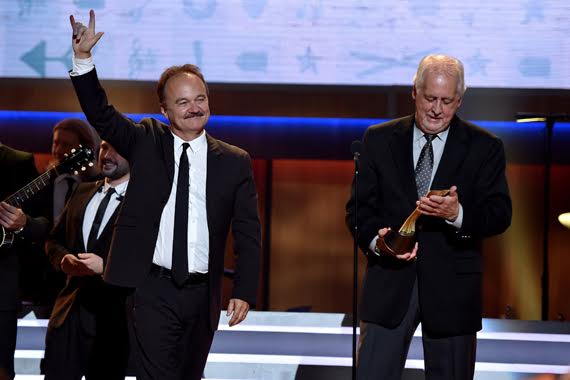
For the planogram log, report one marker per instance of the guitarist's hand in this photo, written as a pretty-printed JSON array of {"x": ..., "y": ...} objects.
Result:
[
  {"x": 74, "y": 266},
  {"x": 11, "y": 218}
]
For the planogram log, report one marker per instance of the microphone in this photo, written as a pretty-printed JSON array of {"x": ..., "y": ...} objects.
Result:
[
  {"x": 120, "y": 197},
  {"x": 355, "y": 149}
]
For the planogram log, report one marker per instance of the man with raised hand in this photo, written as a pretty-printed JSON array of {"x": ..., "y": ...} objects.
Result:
[{"x": 187, "y": 189}]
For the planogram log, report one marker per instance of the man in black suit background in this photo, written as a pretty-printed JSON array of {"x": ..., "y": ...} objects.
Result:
[
  {"x": 438, "y": 283},
  {"x": 185, "y": 192},
  {"x": 39, "y": 282},
  {"x": 87, "y": 331},
  {"x": 18, "y": 169}
]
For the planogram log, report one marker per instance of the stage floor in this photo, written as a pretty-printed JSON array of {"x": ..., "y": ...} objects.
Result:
[{"x": 303, "y": 346}]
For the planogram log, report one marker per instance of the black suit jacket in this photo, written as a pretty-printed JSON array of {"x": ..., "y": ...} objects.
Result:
[
  {"x": 448, "y": 267},
  {"x": 231, "y": 198},
  {"x": 67, "y": 237},
  {"x": 17, "y": 169}
]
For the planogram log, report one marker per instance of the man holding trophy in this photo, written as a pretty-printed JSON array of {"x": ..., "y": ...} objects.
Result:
[{"x": 430, "y": 187}]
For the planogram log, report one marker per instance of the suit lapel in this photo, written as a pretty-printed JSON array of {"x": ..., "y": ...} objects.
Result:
[
  {"x": 454, "y": 153},
  {"x": 214, "y": 165},
  {"x": 401, "y": 147},
  {"x": 168, "y": 155}
]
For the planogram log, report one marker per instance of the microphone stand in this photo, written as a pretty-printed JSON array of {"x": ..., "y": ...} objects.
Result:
[{"x": 356, "y": 151}]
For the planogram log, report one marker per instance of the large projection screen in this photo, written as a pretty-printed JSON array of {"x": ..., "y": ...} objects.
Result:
[{"x": 504, "y": 44}]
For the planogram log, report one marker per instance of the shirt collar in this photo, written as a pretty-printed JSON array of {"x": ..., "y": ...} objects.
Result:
[
  {"x": 120, "y": 189},
  {"x": 418, "y": 134},
  {"x": 195, "y": 145}
]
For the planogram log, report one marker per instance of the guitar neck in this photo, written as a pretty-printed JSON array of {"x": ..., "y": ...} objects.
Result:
[{"x": 25, "y": 193}]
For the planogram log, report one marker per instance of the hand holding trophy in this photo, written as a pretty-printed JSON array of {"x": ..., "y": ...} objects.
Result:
[{"x": 402, "y": 241}]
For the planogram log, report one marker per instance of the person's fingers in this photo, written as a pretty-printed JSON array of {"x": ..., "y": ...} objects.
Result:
[
  {"x": 403, "y": 256},
  {"x": 80, "y": 32},
  {"x": 92, "y": 20},
  {"x": 383, "y": 231},
  {"x": 240, "y": 313},
  {"x": 76, "y": 29},
  {"x": 414, "y": 253},
  {"x": 5, "y": 207},
  {"x": 72, "y": 21},
  {"x": 453, "y": 191},
  {"x": 426, "y": 209},
  {"x": 231, "y": 307},
  {"x": 98, "y": 37},
  {"x": 5, "y": 215},
  {"x": 10, "y": 208},
  {"x": 235, "y": 314},
  {"x": 233, "y": 320}
]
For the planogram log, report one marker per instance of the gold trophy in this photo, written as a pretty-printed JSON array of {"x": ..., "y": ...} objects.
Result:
[{"x": 398, "y": 243}]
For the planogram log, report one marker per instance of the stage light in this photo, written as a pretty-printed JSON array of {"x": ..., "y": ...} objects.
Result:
[{"x": 564, "y": 219}]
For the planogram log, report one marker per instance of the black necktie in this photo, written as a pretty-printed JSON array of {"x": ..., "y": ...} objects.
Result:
[
  {"x": 98, "y": 219},
  {"x": 180, "y": 244},
  {"x": 425, "y": 167}
]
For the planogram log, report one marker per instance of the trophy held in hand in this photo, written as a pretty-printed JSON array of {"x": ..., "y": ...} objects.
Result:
[{"x": 402, "y": 241}]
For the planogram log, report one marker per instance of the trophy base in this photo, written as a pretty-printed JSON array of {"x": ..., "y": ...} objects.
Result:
[{"x": 396, "y": 243}]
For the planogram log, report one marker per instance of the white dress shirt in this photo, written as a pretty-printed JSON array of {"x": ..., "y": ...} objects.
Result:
[
  {"x": 93, "y": 205},
  {"x": 81, "y": 66},
  {"x": 198, "y": 234}
]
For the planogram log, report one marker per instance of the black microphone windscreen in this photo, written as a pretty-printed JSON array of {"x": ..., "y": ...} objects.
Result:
[{"x": 355, "y": 146}]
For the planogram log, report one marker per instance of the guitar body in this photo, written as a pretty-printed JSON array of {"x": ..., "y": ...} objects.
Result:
[
  {"x": 77, "y": 160},
  {"x": 6, "y": 237}
]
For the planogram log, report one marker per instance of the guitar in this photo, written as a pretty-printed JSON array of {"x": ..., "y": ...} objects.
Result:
[{"x": 77, "y": 160}]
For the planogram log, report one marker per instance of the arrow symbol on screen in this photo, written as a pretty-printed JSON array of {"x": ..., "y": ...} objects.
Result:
[
  {"x": 36, "y": 58},
  {"x": 385, "y": 63}
]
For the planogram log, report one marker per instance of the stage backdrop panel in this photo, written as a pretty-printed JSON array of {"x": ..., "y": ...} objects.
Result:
[{"x": 513, "y": 43}]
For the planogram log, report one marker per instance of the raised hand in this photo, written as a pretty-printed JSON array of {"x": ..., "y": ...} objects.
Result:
[{"x": 83, "y": 37}]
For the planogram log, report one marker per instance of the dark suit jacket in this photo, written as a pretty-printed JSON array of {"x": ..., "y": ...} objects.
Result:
[
  {"x": 448, "y": 267},
  {"x": 17, "y": 169},
  {"x": 67, "y": 237},
  {"x": 231, "y": 198}
]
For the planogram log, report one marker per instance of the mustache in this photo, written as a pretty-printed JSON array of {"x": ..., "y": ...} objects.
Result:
[{"x": 190, "y": 115}]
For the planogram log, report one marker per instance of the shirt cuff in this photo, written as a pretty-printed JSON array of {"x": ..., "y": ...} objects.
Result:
[
  {"x": 81, "y": 66},
  {"x": 458, "y": 222},
  {"x": 372, "y": 245}
]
